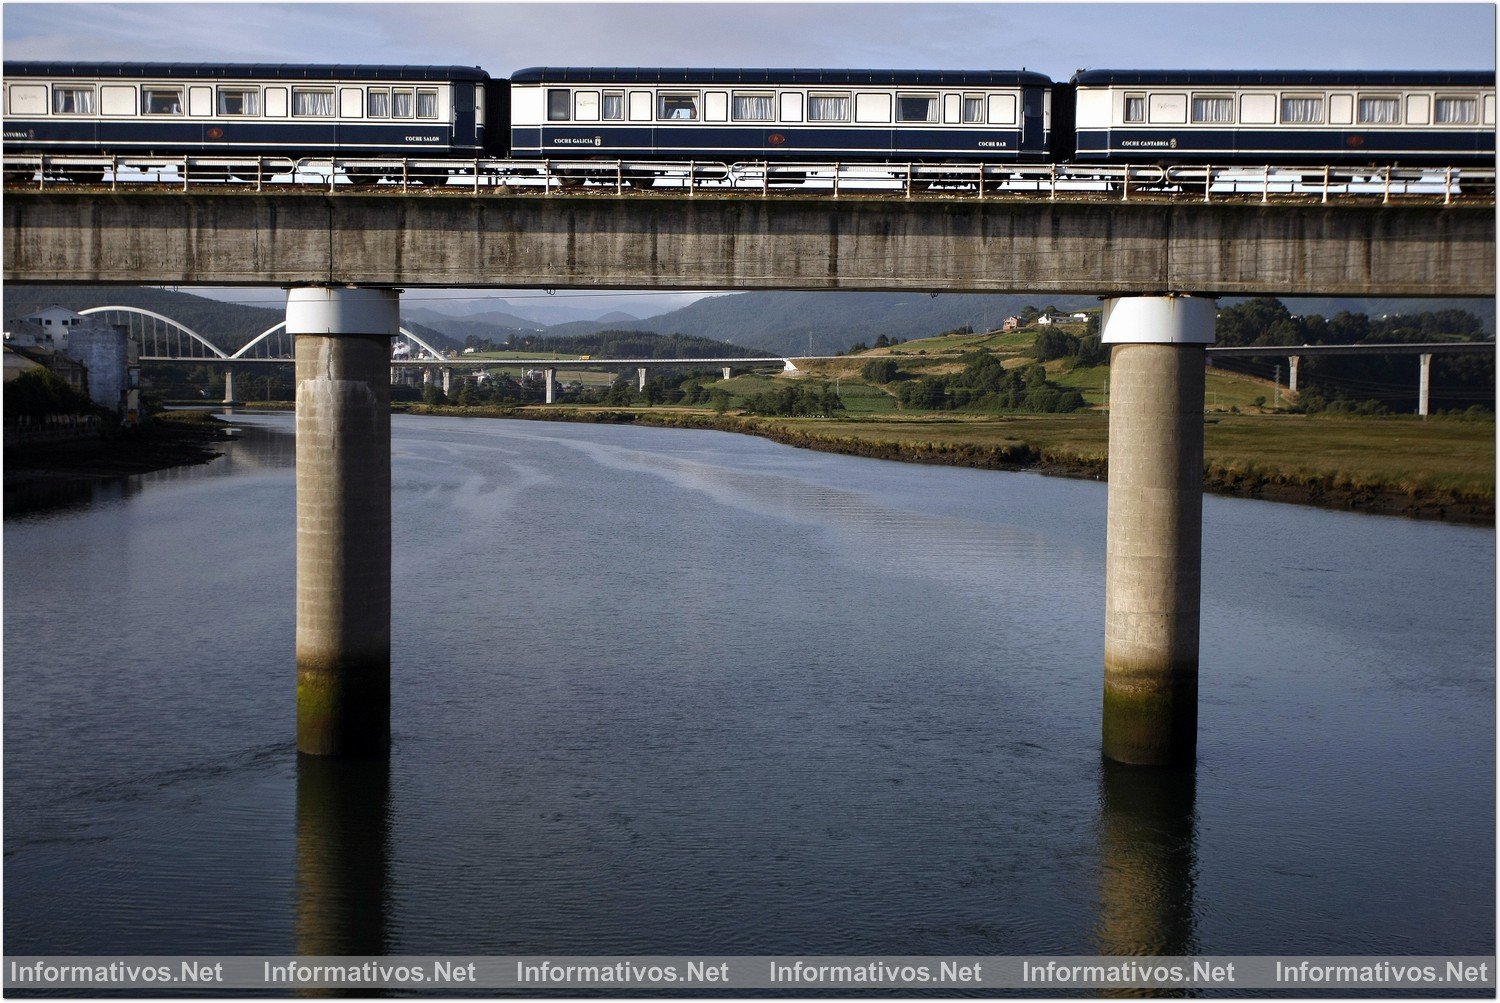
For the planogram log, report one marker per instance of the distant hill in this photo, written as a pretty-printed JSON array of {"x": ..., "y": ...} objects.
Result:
[
  {"x": 776, "y": 323},
  {"x": 822, "y": 323}
]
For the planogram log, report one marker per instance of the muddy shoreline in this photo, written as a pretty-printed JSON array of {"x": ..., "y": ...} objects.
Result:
[{"x": 37, "y": 476}]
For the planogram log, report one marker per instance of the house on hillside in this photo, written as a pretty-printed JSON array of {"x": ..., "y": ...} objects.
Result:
[{"x": 1011, "y": 324}]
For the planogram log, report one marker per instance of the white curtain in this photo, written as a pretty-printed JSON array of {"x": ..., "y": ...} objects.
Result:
[
  {"x": 1449, "y": 110},
  {"x": 973, "y": 110},
  {"x": 401, "y": 103},
  {"x": 614, "y": 106},
  {"x": 380, "y": 104},
  {"x": 1135, "y": 109},
  {"x": 752, "y": 108},
  {"x": 1301, "y": 110},
  {"x": 1379, "y": 111},
  {"x": 73, "y": 100},
  {"x": 1213, "y": 110},
  {"x": 828, "y": 109},
  {"x": 318, "y": 104},
  {"x": 427, "y": 104}
]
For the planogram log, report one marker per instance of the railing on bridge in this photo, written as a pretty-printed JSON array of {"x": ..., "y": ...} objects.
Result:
[{"x": 692, "y": 178}]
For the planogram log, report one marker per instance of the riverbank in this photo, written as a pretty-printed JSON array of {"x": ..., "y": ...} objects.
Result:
[
  {"x": 1437, "y": 469},
  {"x": 39, "y": 473}
]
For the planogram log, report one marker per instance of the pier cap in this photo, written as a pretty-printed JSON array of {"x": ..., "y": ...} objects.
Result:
[
  {"x": 1158, "y": 320},
  {"x": 343, "y": 310}
]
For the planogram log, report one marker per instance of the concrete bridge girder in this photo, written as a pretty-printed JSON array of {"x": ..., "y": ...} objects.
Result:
[{"x": 751, "y": 243}]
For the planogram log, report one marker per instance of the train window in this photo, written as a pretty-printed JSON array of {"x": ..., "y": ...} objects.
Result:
[
  {"x": 1002, "y": 109},
  {"x": 351, "y": 102},
  {"x": 558, "y": 103},
  {"x": 378, "y": 102},
  {"x": 916, "y": 108},
  {"x": 311, "y": 103},
  {"x": 1301, "y": 109},
  {"x": 275, "y": 102},
  {"x": 28, "y": 99},
  {"x": 1455, "y": 110},
  {"x": 1418, "y": 109},
  {"x": 586, "y": 106},
  {"x": 872, "y": 107},
  {"x": 161, "y": 101},
  {"x": 716, "y": 106},
  {"x": 1489, "y": 109},
  {"x": 200, "y": 101},
  {"x": 640, "y": 106},
  {"x": 1257, "y": 109},
  {"x": 400, "y": 102},
  {"x": 791, "y": 106},
  {"x": 117, "y": 100},
  {"x": 828, "y": 107},
  {"x": 239, "y": 101},
  {"x": 753, "y": 108},
  {"x": 1213, "y": 109},
  {"x": 1379, "y": 110},
  {"x": 72, "y": 100},
  {"x": 427, "y": 104},
  {"x": 973, "y": 109},
  {"x": 1135, "y": 107},
  {"x": 1167, "y": 109},
  {"x": 677, "y": 107},
  {"x": 614, "y": 106},
  {"x": 952, "y": 108}
]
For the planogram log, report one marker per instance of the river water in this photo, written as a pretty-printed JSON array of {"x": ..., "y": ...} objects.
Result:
[{"x": 682, "y": 692}]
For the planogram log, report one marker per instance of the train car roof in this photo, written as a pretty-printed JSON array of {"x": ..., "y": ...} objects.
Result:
[
  {"x": 243, "y": 71},
  {"x": 707, "y": 75},
  {"x": 1287, "y": 78}
]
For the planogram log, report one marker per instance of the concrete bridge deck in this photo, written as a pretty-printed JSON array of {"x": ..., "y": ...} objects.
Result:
[{"x": 608, "y": 242}]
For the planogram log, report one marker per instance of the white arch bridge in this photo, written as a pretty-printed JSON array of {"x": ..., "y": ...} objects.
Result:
[{"x": 159, "y": 338}]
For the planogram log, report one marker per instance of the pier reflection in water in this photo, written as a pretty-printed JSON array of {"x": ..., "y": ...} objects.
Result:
[
  {"x": 1147, "y": 860},
  {"x": 343, "y": 856}
]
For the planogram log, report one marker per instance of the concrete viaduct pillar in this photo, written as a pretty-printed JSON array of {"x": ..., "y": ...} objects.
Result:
[
  {"x": 229, "y": 399},
  {"x": 550, "y": 376},
  {"x": 1293, "y": 362},
  {"x": 1424, "y": 384},
  {"x": 1155, "y": 536},
  {"x": 343, "y": 346},
  {"x": 640, "y": 379},
  {"x": 727, "y": 372},
  {"x": 447, "y": 381}
]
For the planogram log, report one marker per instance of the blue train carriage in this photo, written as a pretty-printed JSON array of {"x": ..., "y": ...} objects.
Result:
[
  {"x": 727, "y": 115},
  {"x": 244, "y": 110},
  {"x": 1337, "y": 118}
]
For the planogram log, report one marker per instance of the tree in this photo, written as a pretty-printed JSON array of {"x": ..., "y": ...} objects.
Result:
[{"x": 880, "y": 371}]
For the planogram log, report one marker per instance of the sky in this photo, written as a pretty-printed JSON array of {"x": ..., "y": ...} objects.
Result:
[{"x": 1056, "y": 39}]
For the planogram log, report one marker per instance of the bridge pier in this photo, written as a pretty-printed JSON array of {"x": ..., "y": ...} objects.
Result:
[
  {"x": 1424, "y": 384},
  {"x": 727, "y": 372},
  {"x": 1293, "y": 362},
  {"x": 1153, "y": 557},
  {"x": 640, "y": 379},
  {"x": 550, "y": 376},
  {"x": 447, "y": 381},
  {"x": 343, "y": 345},
  {"x": 229, "y": 399}
]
